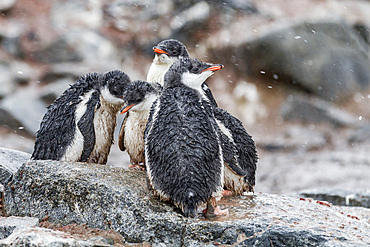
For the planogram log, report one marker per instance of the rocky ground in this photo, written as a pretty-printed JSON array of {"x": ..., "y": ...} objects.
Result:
[{"x": 296, "y": 74}]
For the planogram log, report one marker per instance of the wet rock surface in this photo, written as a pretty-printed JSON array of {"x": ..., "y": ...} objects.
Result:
[
  {"x": 10, "y": 162},
  {"x": 10, "y": 224},
  {"x": 340, "y": 197},
  {"x": 117, "y": 199}
]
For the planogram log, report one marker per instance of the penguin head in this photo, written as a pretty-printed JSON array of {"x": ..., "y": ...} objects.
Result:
[
  {"x": 112, "y": 86},
  {"x": 140, "y": 95},
  {"x": 190, "y": 72},
  {"x": 169, "y": 51}
]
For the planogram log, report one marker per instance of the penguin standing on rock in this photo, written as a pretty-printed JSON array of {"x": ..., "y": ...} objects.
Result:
[
  {"x": 139, "y": 97},
  {"x": 79, "y": 124},
  {"x": 183, "y": 152}
]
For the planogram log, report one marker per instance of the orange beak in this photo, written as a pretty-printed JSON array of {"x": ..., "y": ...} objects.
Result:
[
  {"x": 214, "y": 68},
  {"x": 126, "y": 108},
  {"x": 159, "y": 51}
]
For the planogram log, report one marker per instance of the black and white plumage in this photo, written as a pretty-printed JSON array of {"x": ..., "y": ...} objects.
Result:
[
  {"x": 79, "y": 124},
  {"x": 138, "y": 97},
  {"x": 239, "y": 152},
  {"x": 184, "y": 160}
]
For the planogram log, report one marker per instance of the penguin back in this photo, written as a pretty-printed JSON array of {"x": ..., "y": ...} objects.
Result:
[{"x": 184, "y": 160}]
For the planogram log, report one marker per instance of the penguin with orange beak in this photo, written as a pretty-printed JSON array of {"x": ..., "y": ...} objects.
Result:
[
  {"x": 183, "y": 153},
  {"x": 139, "y": 97},
  {"x": 165, "y": 54}
]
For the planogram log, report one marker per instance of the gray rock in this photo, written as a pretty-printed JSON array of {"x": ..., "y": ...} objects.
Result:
[
  {"x": 340, "y": 197},
  {"x": 296, "y": 138},
  {"x": 285, "y": 173},
  {"x": 6, "y": 4},
  {"x": 10, "y": 224},
  {"x": 117, "y": 199},
  {"x": 313, "y": 110},
  {"x": 22, "y": 110},
  {"x": 10, "y": 161},
  {"x": 328, "y": 59},
  {"x": 79, "y": 46},
  {"x": 360, "y": 135},
  {"x": 7, "y": 84},
  {"x": 22, "y": 72},
  {"x": 38, "y": 236},
  {"x": 56, "y": 52},
  {"x": 192, "y": 18},
  {"x": 89, "y": 15},
  {"x": 53, "y": 90}
]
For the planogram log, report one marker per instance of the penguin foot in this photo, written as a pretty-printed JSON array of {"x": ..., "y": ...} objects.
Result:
[
  {"x": 213, "y": 210},
  {"x": 137, "y": 167},
  {"x": 227, "y": 193},
  {"x": 218, "y": 211}
]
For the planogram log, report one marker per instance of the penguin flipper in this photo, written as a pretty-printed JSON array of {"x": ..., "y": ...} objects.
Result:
[
  {"x": 230, "y": 155},
  {"x": 243, "y": 142},
  {"x": 86, "y": 126},
  {"x": 121, "y": 136}
]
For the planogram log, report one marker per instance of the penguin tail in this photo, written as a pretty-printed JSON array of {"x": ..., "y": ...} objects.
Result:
[{"x": 190, "y": 206}]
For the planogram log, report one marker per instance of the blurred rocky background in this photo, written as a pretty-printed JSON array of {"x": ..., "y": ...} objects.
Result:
[{"x": 297, "y": 74}]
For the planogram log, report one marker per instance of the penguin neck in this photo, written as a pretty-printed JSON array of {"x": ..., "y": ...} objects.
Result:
[
  {"x": 109, "y": 102},
  {"x": 142, "y": 110},
  {"x": 156, "y": 72},
  {"x": 159, "y": 67}
]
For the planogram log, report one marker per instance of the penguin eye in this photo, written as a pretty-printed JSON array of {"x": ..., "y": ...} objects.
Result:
[
  {"x": 174, "y": 53},
  {"x": 195, "y": 69}
]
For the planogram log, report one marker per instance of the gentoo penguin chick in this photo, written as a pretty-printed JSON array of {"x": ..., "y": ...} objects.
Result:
[
  {"x": 139, "y": 97},
  {"x": 79, "y": 124},
  {"x": 239, "y": 153},
  {"x": 183, "y": 155},
  {"x": 166, "y": 53}
]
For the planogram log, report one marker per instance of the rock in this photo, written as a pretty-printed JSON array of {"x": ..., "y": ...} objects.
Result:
[
  {"x": 285, "y": 173},
  {"x": 37, "y": 236},
  {"x": 53, "y": 90},
  {"x": 295, "y": 138},
  {"x": 118, "y": 199},
  {"x": 10, "y": 161},
  {"x": 360, "y": 135},
  {"x": 10, "y": 224},
  {"x": 6, "y": 4},
  {"x": 22, "y": 110},
  {"x": 314, "y": 110},
  {"x": 85, "y": 15},
  {"x": 248, "y": 103},
  {"x": 328, "y": 59},
  {"x": 340, "y": 197},
  {"x": 57, "y": 52},
  {"x": 79, "y": 46},
  {"x": 190, "y": 20},
  {"x": 245, "y": 6},
  {"x": 23, "y": 73},
  {"x": 7, "y": 84}
]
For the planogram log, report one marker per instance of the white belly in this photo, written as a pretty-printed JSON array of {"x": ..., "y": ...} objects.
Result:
[{"x": 134, "y": 136}]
